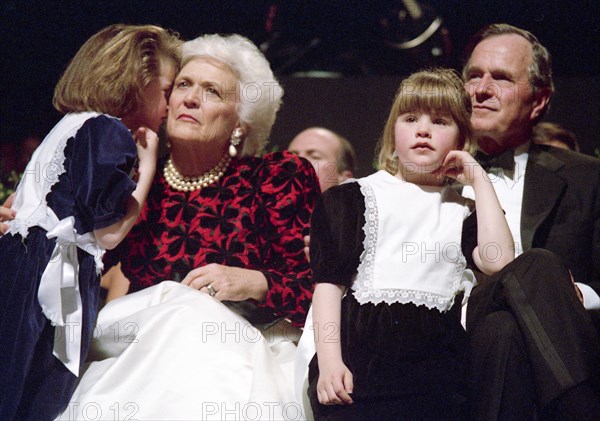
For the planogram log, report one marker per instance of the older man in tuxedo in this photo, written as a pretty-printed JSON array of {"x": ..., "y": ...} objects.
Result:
[{"x": 532, "y": 335}]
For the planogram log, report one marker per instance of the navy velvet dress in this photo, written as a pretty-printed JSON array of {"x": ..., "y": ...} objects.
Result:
[
  {"x": 408, "y": 362},
  {"x": 94, "y": 189}
]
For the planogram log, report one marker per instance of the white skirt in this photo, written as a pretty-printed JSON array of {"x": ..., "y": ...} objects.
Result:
[{"x": 171, "y": 352}]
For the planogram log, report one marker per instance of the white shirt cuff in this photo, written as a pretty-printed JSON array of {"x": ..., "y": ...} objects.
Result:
[{"x": 591, "y": 300}]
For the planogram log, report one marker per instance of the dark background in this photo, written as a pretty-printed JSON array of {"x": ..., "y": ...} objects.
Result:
[{"x": 348, "y": 39}]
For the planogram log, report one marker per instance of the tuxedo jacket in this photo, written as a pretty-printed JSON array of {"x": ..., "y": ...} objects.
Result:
[{"x": 561, "y": 209}]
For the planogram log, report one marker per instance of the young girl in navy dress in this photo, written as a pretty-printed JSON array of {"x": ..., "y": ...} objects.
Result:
[
  {"x": 389, "y": 253},
  {"x": 76, "y": 199}
]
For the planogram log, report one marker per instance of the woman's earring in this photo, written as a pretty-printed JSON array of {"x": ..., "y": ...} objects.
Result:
[
  {"x": 394, "y": 154},
  {"x": 236, "y": 137}
]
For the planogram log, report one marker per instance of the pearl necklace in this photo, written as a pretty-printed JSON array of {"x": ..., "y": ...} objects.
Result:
[{"x": 186, "y": 184}]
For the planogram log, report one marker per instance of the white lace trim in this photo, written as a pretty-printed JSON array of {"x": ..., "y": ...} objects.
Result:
[
  {"x": 50, "y": 173},
  {"x": 363, "y": 289}
]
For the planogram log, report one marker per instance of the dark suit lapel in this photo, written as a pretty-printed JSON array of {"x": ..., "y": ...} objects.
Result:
[{"x": 542, "y": 190}]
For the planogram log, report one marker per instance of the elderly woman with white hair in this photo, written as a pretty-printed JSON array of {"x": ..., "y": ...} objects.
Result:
[{"x": 215, "y": 260}]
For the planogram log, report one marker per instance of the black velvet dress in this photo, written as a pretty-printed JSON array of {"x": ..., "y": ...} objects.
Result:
[
  {"x": 94, "y": 189},
  {"x": 408, "y": 362}
]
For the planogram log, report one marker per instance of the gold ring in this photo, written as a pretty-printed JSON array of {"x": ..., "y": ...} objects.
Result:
[{"x": 211, "y": 290}]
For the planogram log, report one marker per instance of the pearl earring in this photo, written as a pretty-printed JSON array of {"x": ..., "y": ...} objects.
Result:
[{"x": 236, "y": 137}]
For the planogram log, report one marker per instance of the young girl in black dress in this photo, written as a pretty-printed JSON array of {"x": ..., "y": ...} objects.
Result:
[
  {"x": 76, "y": 199},
  {"x": 389, "y": 253}
]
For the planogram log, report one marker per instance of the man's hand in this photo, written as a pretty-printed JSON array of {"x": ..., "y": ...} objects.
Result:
[{"x": 577, "y": 290}]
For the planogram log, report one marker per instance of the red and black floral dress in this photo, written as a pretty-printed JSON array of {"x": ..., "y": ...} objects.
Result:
[{"x": 254, "y": 217}]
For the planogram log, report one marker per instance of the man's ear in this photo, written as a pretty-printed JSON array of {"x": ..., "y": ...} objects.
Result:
[
  {"x": 540, "y": 103},
  {"x": 345, "y": 175}
]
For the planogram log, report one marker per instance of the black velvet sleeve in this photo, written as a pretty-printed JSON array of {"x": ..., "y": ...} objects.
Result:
[
  {"x": 103, "y": 155},
  {"x": 336, "y": 234},
  {"x": 469, "y": 239}
]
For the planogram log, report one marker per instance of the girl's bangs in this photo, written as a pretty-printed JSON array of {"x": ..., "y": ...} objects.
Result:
[{"x": 429, "y": 95}]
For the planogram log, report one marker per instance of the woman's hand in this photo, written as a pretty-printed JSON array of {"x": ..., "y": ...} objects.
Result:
[
  {"x": 227, "y": 283},
  {"x": 462, "y": 167},
  {"x": 6, "y": 213},
  {"x": 335, "y": 384}
]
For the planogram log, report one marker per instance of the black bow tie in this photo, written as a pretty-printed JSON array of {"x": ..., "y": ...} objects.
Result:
[{"x": 505, "y": 160}]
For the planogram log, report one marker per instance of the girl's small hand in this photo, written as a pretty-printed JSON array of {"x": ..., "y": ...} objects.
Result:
[
  {"x": 462, "y": 167},
  {"x": 306, "y": 239},
  {"x": 6, "y": 213},
  {"x": 335, "y": 384},
  {"x": 147, "y": 145}
]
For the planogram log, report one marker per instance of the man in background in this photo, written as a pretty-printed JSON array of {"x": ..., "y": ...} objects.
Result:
[
  {"x": 332, "y": 156},
  {"x": 553, "y": 134}
]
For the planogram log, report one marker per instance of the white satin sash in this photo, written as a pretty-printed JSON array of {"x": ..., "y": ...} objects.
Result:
[{"x": 59, "y": 294}]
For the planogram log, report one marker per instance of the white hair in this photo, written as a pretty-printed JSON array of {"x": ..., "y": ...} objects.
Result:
[{"x": 260, "y": 93}]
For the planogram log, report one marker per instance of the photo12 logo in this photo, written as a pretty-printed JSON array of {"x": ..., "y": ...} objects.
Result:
[
  {"x": 94, "y": 411},
  {"x": 251, "y": 411},
  {"x": 249, "y": 92}
]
